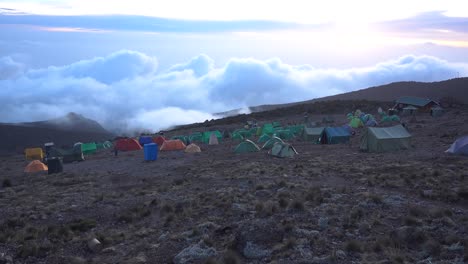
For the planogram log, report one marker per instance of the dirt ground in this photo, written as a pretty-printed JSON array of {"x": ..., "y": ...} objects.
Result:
[{"x": 328, "y": 204}]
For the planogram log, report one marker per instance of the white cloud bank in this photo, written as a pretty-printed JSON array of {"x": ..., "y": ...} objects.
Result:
[{"x": 124, "y": 90}]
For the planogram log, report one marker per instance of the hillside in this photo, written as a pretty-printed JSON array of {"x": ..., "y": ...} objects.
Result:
[
  {"x": 449, "y": 89},
  {"x": 64, "y": 131}
]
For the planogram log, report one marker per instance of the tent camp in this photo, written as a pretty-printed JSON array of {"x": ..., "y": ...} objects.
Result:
[
  {"x": 127, "y": 144},
  {"x": 34, "y": 153},
  {"x": 269, "y": 144},
  {"x": 282, "y": 150},
  {"x": 213, "y": 139},
  {"x": 246, "y": 146},
  {"x": 88, "y": 148},
  {"x": 145, "y": 140},
  {"x": 312, "y": 134},
  {"x": 176, "y": 144},
  {"x": 192, "y": 148},
  {"x": 159, "y": 140},
  {"x": 459, "y": 147},
  {"x": 35, "y": 166},
  {"x": 237, "y": 136},
  {"x": 384, "y": 139},
  {"x": 196, "y": 137},
  {"x": 334, "y": 135},
  {"x": 268, "y": 129}
]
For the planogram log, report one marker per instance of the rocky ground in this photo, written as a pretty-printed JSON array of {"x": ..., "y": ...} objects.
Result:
[{"x": 329, "y": 204}]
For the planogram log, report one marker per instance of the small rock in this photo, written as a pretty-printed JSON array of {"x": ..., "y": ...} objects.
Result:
[
  {"x": 253, "y": 251},
  {"x": 109, "y": 250},
  {"x": 448, "y": 221},
  {"x": 394, "y": 200},
  {"x": 94, "y": 245},
  {"x": 77, "y": 260},
  {"x": 456, "y": 247},
  {"x": 427, "y": 193},
  {"x": 163, "y": 236},
  {"x": 195, "y": 252},
  {"x": 323, "y": 223},
  {"x": 140, "y": 258},
  {"x": 263, "y": 193},
  {"x": 306, "y": 233},
  {"x": 340, "y": 254}
]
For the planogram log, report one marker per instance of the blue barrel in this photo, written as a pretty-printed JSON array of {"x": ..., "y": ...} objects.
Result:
[{"x": 151, "y": 151}]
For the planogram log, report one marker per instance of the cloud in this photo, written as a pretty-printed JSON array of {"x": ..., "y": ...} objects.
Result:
[
  {"x": 9, "y": 68},
  {"x": 124, "y": 90},
  {"x": 143, "y": 23}
]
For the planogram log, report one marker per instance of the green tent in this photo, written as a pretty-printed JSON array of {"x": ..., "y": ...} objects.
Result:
[
  {"x": 88, "y": 148},
  {"x": 355, "y": 122},
  {"x": 264, "y": 138},
  {"x": 237, "y": 136},
  {"x": 268, "y": 129},
  {"x": 247, "y": 146},
  {"x": 312, "y": 134},
  {"x": 269, "y": 144},
  {"x": 383, "y": 139},
  {"x": 296, "y": 130},
  {"x": 196, "y": 137},
  {"x": 282, "y": 150},
  {"x": 107, "y": 144},
  {"x": 207, "y": 134},
  {"x": 276, "y": 124},
  {"x": 244, "y": 133},
  {"x": 284, "y": 134}
]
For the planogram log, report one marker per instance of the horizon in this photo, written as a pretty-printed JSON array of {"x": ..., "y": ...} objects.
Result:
[{"x": 130, "y": 63}]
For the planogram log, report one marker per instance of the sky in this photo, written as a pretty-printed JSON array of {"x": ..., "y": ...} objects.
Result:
[{"x": 145, "y": 64}]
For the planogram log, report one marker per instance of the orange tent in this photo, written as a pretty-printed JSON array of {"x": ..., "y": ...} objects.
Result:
[
  {"x": 159, "y": 140},
  {"x": 176, "y": 144},
  {"x": 35, "y": 166},
  {"x": 127, "y": 144}
]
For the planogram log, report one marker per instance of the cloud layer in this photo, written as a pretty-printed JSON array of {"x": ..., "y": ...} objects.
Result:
[{"x": 125, "y": 91}]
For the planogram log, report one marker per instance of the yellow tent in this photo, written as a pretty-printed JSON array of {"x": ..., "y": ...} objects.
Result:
[
  {"x": 36, "y": 166},
  {"x": 192, "y": 148},
  {"x": 34, "y": 154}
]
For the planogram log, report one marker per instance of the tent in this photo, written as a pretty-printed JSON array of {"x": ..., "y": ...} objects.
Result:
[
  {"x": 36, "y": 166},
  {"x": 269, "y": 144},
  {"x": 409, "y": 110},
  {"x": 145, "y": 140},
  {"x": 384, "y": 139},
  {"x": 276, "y": 124},
  {"x": 247, "y": 146},
  {"x": 264, "y": 138},
  {"x": 371, "y": 123},
  {"x": 237, "y": 136},
  {"x": 312, "y": 134},
  {"x": 127, "y": 144},
  {"x": 207, "y": 134},
  {"x": 184, "y": 139},
  {"x": 437, "y": 111},
  {"x": 282, "y": 150},
  {"x": 355, "y": 122},
  {"x": 175, "y": 144},
  {"x": 88, "y": 148},
  {"x": 67, "y": 155},
  {"x": 34, "y": 153},
  {"x": 268, "y": 129},
  {"x": 196, "y": 136},
  {"x": 159, "y": 140},
  {"x": 192, "y": 148},
  {"x": 459, "y": 147},
  {"x": 284, "y": 134},
  {"x": 243, "y": 132},
  {"x": 296, "y": 129},
  {"x": 213, "y": 139},
  {"x": 334, "y": 135}
]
